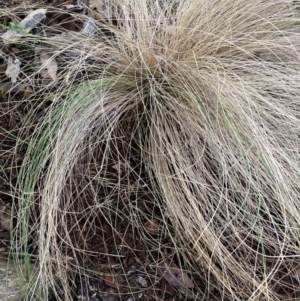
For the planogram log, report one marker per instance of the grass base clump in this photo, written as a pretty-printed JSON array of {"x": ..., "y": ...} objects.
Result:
[{"x": 183, "y": 113}]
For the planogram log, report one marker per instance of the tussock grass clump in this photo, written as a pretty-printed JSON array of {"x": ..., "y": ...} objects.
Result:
[{"x": 184, "y": 112}]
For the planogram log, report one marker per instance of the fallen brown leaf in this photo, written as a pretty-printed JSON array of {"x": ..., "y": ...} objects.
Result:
[
  {"x": 50, "y": 64},
  {"x": 176, "y": 276},
  {"x": 114, "y": 281}
]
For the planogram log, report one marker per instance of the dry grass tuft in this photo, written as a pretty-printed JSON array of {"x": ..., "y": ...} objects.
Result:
[{"x": 204, "y": 97}]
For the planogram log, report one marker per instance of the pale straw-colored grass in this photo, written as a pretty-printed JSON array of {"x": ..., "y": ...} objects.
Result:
[{"x": 207, "y": 93}]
